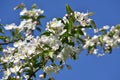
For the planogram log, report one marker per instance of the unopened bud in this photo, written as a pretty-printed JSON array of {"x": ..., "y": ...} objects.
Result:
[{"x": 41, "y": 76}]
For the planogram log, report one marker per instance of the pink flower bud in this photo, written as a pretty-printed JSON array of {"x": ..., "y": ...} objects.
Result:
[{"x": 41, "y": 76}]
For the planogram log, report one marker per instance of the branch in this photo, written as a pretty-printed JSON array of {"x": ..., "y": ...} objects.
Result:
[
  {"x": 9, "y": 42},
  {"x": 6, "y": 43}
]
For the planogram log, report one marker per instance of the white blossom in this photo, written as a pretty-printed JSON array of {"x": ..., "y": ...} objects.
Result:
[
  {"x": 24, "y": 12},
  {"x": 7, "y": 73},
  {"x": 66, "y": 52},
  {"x": 41, "y": 76},
  {"x": 106, "y": 38},
  {"x": 31, "y": 13},
  {"x": 9, "y": 50},
  {"x": 82, "y": 18},
  {"x": 55, "y": 26},
  {"x": 60, "y": 57},
  {"x": 14, "y": 69},
  {"x": 37, "y": 12},
  {"x": 10, "y": 26},
  {"x": 106, "y": 27},
  {"x": 65, "y": 19},
  {"x": 88, "y": 43},
  {"x": 84, "y": 32},
  {"x": 26, "y": 76},
  {"x": 19, "y": 43},
  {"x": 51, "y": 69},
  {"x": 101, "y": 54},
  {"x": 93, "y": 51},
  {"x": 29, "y": 24},
  {"x": 51, "y": 40}
]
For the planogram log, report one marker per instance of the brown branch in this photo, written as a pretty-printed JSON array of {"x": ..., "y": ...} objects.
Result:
[{"x": 6, "y": 43}]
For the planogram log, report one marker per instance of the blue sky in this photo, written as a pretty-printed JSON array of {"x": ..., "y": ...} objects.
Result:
[{"x": 107, "y": 12}]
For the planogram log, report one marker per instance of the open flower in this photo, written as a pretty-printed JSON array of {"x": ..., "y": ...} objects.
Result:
[
  {"x": 82, "y": 18},
  {"x": 55, "y": 26},
  {"x": 10, "y": 26}
]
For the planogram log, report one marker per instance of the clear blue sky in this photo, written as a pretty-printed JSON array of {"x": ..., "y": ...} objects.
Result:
[{"x": 107, "y": 12}]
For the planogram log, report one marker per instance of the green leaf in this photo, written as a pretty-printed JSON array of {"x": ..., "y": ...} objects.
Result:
[
  {"x": 44, "y": 75},
  {"x": 74, "y": 56},
  {"x": 34, "y": 6},
  {"x": 1, "y": 48},
  {"x": 59, "y": 19},
  {"x": 68, "y": 26},
  {"x": 4, "y": 38},
  {"x": 11, "y": 78},
  {"x": 38, "y": 29},
  {"x": 68, "y": 9},
  {"x": 51, "y": 78},
  {"x": 1, "y": 31},
  {"x": 89, "y": 49},
  {"x": 1, "y": 25},
  {"x": 47, "y": 33},
  {"x": 92, "y": 23},
  {"x": 68, "y": 67},
  {"x": 24, "y": 17},
  {"x": 108, "y": 49},
  {"x": 111, "y": 34},
  {"x": 70, "y": 13},
  {"x": 51, "y": 54},
  {"x": 13, "y": 34},
  {"x": 118, "y": 26},
  {"x": 90, "y": 13},
  {"x": 101, "y": 39},
  {"x": 41, "y": 16},
  {"x": 61, "y": 66},
  {"x": 20, "y": 6},
  {"x": 77, "y": 30}
]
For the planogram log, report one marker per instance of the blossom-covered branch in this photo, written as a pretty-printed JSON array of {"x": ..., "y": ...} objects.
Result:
[{"x": 63, "y": 38}]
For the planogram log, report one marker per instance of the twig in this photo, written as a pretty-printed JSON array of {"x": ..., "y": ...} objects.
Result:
[{"x": 6, "y": 43}]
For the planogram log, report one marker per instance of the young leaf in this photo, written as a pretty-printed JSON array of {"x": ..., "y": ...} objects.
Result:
[
  {"x": 51, "y": 54},
  {"x": 1, "y": 48},
  {"x": 47, "y": 33},
  {"x": 1, "y": 31},
  {"x": 41, "y": 16},
  {"x": 11, "y": 78},
  {"x": 13, "y": 34},
  {"x": 20, "y": 6},
  {"x": 92, "y": 23},
  {"x": 90, "y": 13},
  {"x": 34, "y": 6},
  {"x": 51, "y": 78},
  {"x": 118, "y": 26},
  {"x": 1, "y": 25},
  {"x": 3, "y": 38},
  {"x": 68, "y": 9},
  {"x": 38, "y": 29},
  {"x": 68, "y": 67}
]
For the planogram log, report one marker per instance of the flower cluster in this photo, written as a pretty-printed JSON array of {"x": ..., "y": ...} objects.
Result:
[
  {"x": 34, "y": 13},
  {"x": 82, "y": 18},
  {"x": 10, "y": 26},
  {"x": 30, "y": 20},
  {"x": 15, "y": 55},
  {"x": 55, "y": 26},
  {"x": 50, "y": 69},
  {"x": 51, "y": 41},
  {"x": 107, "y": 40}
]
